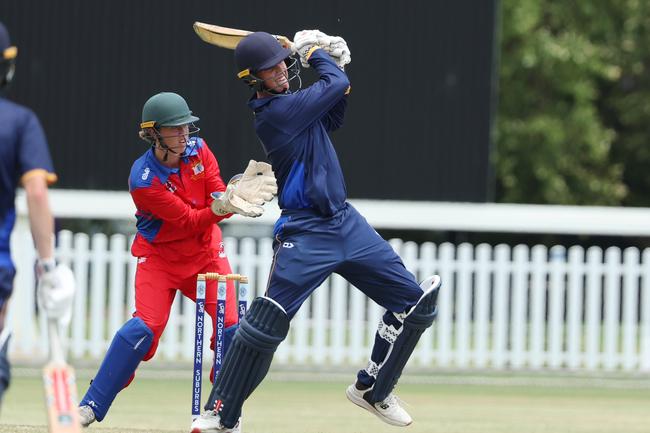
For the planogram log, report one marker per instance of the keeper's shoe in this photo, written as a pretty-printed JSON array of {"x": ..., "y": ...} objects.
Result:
[
  {"x": 86, "y": 415},
  {"x": 210, "y": 422},
  {"x": 388, "y": 410}
]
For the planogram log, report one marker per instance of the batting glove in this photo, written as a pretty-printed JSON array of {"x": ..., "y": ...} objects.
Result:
[
  {"x": 305, "y": 40},
  {"x": 55, "y": 289}
]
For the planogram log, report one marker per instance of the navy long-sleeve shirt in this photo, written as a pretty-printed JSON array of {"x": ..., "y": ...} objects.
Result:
[{"x": 293, "y": 129}]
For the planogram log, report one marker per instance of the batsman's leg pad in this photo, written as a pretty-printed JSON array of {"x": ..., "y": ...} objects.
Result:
[
  {"x": 416, "y": 321},
  {"x": 247, "y": 361},
  {"x": 130, "y": 344}
]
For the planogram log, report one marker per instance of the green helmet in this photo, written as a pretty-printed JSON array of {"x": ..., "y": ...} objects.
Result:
[{"x": 166, "y": 109}]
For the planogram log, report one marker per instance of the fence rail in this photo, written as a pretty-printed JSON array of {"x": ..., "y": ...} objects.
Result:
[{"x": 500, "y": 307}]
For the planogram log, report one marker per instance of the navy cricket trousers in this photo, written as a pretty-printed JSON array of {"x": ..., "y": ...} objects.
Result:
[{"x": 309, "y": 247}]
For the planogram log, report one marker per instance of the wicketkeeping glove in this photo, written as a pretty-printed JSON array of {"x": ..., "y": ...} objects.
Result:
[{"x": 247, "y": 192}]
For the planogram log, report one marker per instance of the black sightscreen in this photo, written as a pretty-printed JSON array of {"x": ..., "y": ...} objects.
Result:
[{"x": 418, "y": 122}]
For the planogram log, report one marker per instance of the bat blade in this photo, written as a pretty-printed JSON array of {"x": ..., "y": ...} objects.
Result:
[
  {"x": 226, "y": 37},
  {"x": 61, "y": 398}
]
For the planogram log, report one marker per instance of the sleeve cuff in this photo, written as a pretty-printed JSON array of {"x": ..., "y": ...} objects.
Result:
[
  {"x": 311, "y": 51},
  {"x": 50, "y": 178}
]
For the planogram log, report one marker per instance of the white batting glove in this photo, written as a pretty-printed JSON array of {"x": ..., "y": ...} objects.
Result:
[
  {"x": 247, "y": 192},
  {"x": 304, "y": 40},
  {"x": 339, "y": 51},
  {"x": 55, "y": 290}
]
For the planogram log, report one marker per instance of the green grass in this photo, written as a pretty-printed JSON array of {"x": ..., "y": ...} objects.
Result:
[{"x": 162, "y": 405}]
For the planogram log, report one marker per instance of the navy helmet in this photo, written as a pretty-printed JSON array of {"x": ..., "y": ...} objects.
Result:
[
  {"x": 259, "y": 51},
  {"x": 8, "y": 55}
]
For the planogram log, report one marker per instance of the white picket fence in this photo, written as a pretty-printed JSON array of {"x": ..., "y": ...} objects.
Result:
[{"x": 499, "y": 307}]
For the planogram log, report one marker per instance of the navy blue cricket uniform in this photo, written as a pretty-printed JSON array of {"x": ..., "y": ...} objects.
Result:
[
  {"x": 24, "y": 153},
  {"x": 319, "y": 233}
]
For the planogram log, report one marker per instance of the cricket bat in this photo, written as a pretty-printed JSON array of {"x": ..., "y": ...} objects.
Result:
[
  {"x": 60, "y": 388},
  {"x": 228, "y": 38}
]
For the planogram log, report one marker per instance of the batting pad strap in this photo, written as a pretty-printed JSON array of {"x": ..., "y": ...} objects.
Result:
[
  {"x": 389, "y": 331},
  {"x": 264, "y": 327}
]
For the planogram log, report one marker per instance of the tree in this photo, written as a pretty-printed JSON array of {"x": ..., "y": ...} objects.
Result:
[{"x": 555, "y": 124}]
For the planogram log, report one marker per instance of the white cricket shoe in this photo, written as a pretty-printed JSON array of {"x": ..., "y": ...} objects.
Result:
[
  {"x": 86, "y": 415},
  {"x": 210, "y": 422},
  {"x": 387, "y": 410}
]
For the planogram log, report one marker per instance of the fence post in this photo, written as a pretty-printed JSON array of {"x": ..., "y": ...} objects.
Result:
[
  {"x": 463, "y": 304},
  {"x": 575, "y": 270},
  {"x": 630, "y": 317},
  {"x": 612, "y": 303},
  {"x": 518, "y": 322},
  {"x": 482, "y": 307},
  {"x": 555, "y": 325},
  {"x": 538, "y": 306},
  {"x": 445, "y": 303}
]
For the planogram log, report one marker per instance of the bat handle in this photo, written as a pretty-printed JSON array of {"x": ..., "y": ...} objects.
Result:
[{"x": 56, "y": 350}]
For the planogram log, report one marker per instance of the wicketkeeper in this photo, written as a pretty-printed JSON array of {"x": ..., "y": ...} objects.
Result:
[
  {"x": 318, "y": 233},
  {"x": 180, "y": 197}
]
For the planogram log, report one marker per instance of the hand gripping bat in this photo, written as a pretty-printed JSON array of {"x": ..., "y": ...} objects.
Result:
[{"x": 228, "y": 38}]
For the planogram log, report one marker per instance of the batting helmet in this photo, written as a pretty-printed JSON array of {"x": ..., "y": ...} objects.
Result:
[
  {"x": 8, "y": 55},
  {"x": 259, "y": 51}
]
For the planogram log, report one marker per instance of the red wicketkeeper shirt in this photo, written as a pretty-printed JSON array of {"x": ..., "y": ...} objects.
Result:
[{"x": 174, "y": 219}]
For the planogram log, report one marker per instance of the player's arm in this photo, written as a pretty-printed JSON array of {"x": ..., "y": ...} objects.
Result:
[
  {"x": 35, "y": 168},
  {"x": 311, "y": 104},
  {"x": 333, "y": 119},
  {"x": 41, "y": 222},
  {"x": 171, "y": 209},
  {"x": 55, "y": 290}
]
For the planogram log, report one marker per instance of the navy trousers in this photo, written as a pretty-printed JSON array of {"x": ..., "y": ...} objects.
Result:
[{"x": 309, "y": 248}]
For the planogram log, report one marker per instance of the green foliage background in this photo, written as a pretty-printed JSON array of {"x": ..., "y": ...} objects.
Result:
[{"x": 573, "y": 123}]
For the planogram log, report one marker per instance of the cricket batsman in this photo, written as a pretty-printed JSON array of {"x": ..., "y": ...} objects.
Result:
[
  {"x": 318, "y": 233},
  {"x": 180, "y": 197},
  {"x": 26, "y": 161}
]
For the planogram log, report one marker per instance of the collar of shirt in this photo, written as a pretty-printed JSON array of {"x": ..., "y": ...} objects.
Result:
[
  {"x": 256, "y": 103},
  {"x": 161, "y": 171}
]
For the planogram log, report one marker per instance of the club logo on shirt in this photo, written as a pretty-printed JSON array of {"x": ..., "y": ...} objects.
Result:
[
  {"x": 222, "y": 251},
  {"x": 287, "y": 245},
  {"x": 198, "y": 170},
  {"x": 145, "y": 173},
  {"x": 170, "y": 187}
]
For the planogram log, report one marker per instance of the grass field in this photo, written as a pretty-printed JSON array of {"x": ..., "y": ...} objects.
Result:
[{"x": 284, "y": 406}]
